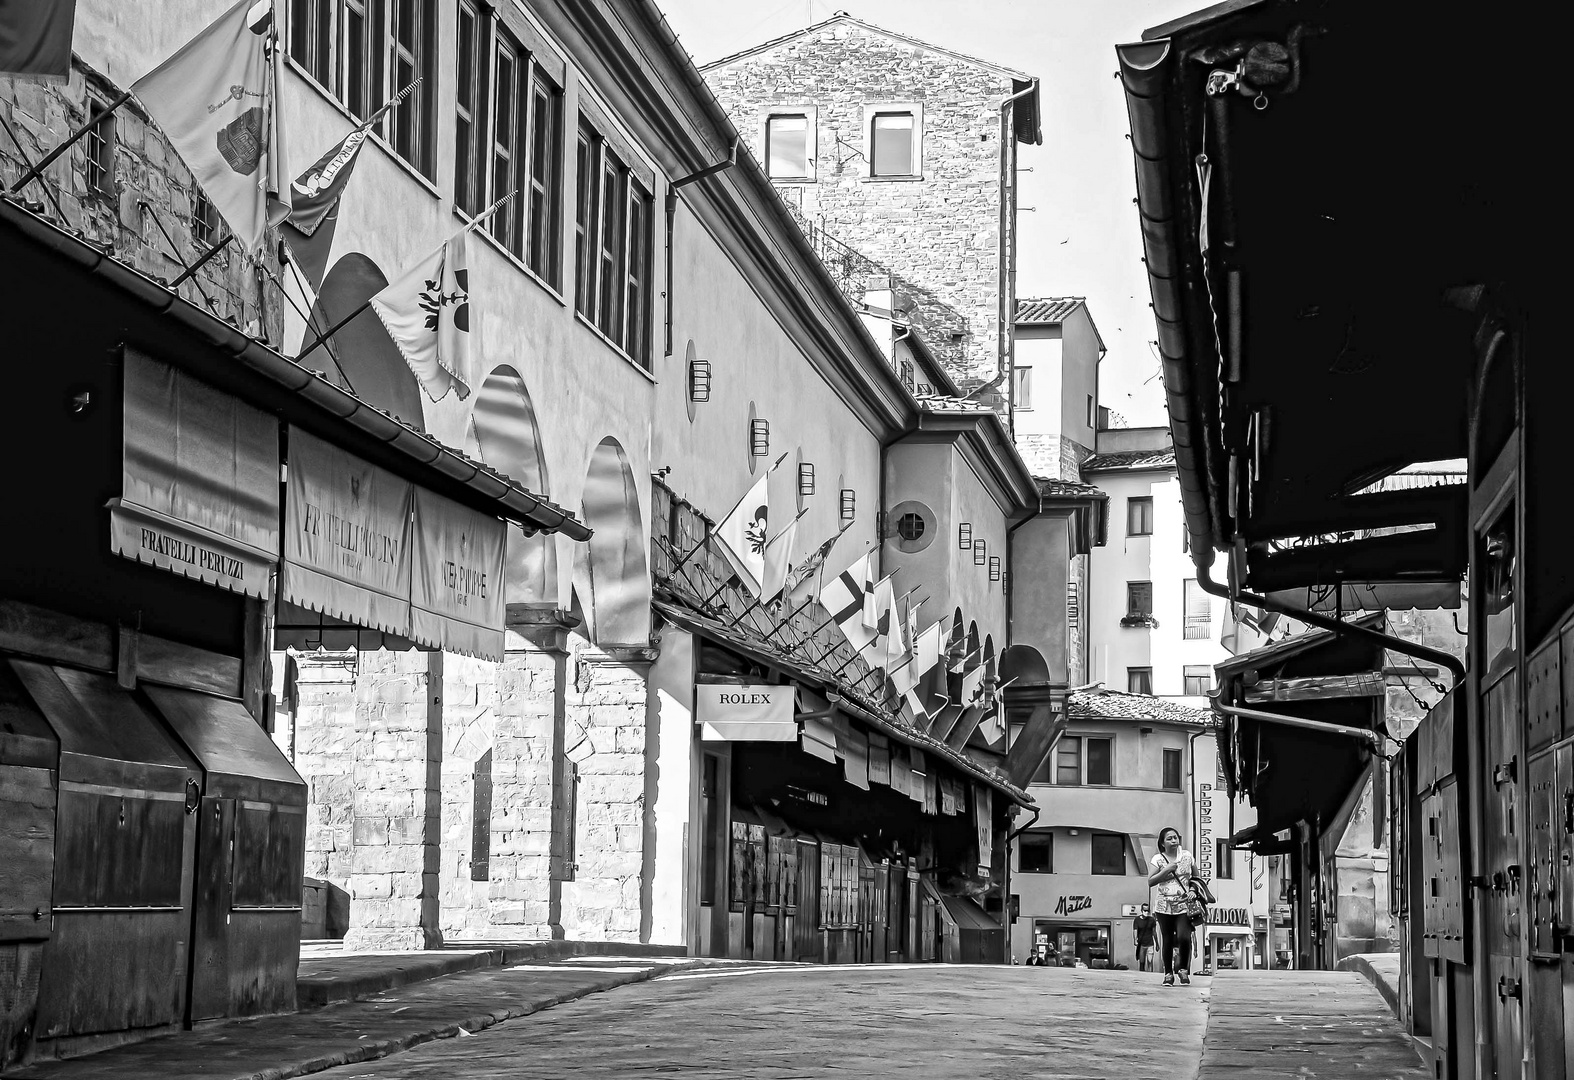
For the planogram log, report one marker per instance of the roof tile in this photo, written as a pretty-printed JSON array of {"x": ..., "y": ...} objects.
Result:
[
  {"x": 1050, "y": 309},
  {"x": 1112, "y": 704},
  {"x": 1131, "y": 459}
]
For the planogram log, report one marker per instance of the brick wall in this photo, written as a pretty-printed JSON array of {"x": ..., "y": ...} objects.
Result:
[
  {"x": 940, "y": 236},
  {"x": 41, "y": 115}
]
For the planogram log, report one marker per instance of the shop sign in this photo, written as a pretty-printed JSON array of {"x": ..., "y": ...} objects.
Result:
[
  {"x": 456, "y": 582},
  {"x": 1069, "y": 905},
  {"x": 983, "y": 822},
  {"x": 347, "y": 537},
  {"x": 1205, "y": 765},
  {"x": 745, "y": 712},
  {"x": 199, "y": 480},
  {"x": 1228, "y": 916}
]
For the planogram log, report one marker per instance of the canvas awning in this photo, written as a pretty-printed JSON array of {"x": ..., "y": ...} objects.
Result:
[{"x": 199, "y": 480}]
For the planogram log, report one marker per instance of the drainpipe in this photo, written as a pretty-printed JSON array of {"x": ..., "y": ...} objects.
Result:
[
  {"x": 1338, "y": 626},
  {"x": 672, "y": 210},
  {"x": 1008, "y": 254},
  {"x": 1364, "y": 734}
]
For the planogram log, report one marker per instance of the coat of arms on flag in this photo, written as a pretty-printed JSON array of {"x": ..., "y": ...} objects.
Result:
[{"x": 427, "y": 313}]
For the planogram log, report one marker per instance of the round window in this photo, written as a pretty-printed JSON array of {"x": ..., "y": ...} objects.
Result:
[{"x": 914, "y": 526}]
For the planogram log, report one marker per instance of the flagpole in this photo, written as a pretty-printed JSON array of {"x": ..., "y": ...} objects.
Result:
[
  {"x": 203, "y": 260},
  {"x": 71, "y": 140}
]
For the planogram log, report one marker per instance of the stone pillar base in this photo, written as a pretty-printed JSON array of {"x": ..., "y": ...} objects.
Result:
[{"x": 391, "y": 939}]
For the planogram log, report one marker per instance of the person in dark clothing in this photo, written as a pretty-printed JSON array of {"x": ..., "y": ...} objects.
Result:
[
  {"x": 1170, "y": 872},
  {"x": 1143, "y": 926}
]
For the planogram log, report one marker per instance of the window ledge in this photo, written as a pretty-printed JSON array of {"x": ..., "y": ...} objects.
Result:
[
  {"x": 1147, "y": 621},
  {"x": 794, "y": 181},
  {"x": 614, "y": 346},
  {"x": 889, "y": 179},
  {"x": 338, "y": 106},
  {"x": 518, "y": 263}
]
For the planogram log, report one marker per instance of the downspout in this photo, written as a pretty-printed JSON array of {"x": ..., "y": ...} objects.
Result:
[
  {"x": 1007, "y": 272},
  {"x": 1338, "y": 626},
  {"x": 885, "y": 447}
]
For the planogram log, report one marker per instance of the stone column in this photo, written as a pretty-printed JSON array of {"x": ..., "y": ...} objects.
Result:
[
  {"x": 525, "y": 874},
  {"x": 605, "y": 738},
  {"x": 323, "y": 752},
  {"x": 396, "y": 801}
]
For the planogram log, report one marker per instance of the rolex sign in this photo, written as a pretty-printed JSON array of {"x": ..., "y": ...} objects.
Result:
[{"x": 745, "y": 712}]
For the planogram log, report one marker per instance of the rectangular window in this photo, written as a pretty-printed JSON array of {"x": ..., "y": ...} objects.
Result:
[
  {"x": 1139, "y": 516},
  {"x": 1199, "y": 680},
  {"x": 99, "y": 142},
  {"x": 205, "y": 222},
  {"x": 613, "y": 242},
  {"x": 510, "y": 106},
  {"x": 1223, "y": 861},
  {"x": 1172, "y": 770},
  {"x": 546, "y": 178},
  {"x": 1068, "y": 760},
  {"x": 1022, "y": 392},
  {"x": 1090, "y": 410},
  {"x": 1036, "y": 853},
  {"x": 787, "y": 147},
  {"x": 907, "y": 375},
  {"x": 1139, "y": 599},
  {"x": 1198, "y": 611},
  {"x": 469, "y": 102},
  {"x": 1101, "y": 761},
  {"x": 1139, "y": 680},
  {"x": 365, "y": 51},
  {"x": 1109, "y": 854},
  {"x": 891, "y": 144}
]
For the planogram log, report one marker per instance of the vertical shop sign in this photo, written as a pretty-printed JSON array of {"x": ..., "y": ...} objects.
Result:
[{"x": 457, "y": 598}]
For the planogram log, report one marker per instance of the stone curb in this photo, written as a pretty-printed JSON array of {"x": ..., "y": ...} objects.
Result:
[
  {"x": 1358, "y": 963},
  {"x": 316, "y": 991},
  {"x": 373, "y": 1050}
]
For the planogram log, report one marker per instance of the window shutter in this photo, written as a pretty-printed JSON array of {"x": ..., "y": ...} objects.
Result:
[{"x": 565, "y": 795}]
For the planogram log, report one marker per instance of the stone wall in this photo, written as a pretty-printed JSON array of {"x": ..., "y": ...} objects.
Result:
[
  {"x": 941, "y": 235},
  {"x": 41, "y": 115}
]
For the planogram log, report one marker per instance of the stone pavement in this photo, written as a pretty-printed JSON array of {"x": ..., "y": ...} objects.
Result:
[
  {"x": 277, "y": 1047},
  {"x": 1268, "y": 1025},
  {"x": 919, "y": 1022}
]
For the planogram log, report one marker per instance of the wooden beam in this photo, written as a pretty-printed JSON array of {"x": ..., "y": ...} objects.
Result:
[{"x": 1310, "y": 688}]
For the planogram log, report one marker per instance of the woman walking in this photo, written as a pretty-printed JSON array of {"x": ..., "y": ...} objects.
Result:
[{"x": 1170, "y": 872}]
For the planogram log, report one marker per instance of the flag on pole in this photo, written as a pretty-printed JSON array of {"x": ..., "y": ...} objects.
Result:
[
  {"x": 800, "y": 575},
  {"x": 743, "y": 535},
  {"x": 925, "y": 662},
  {"x": 892, "y": 648},
  {"x": 781, "y": 500},
  {"x": 843, "y": 597},
  {"x": 427, "y": 313},
  {"x": 35, "y": 38},
  {"x": 314, "y": 205},
  {"x": 877, "y": 603},
  {"x": 778, "y": 558},
  {"x": 216, "y": 100}
]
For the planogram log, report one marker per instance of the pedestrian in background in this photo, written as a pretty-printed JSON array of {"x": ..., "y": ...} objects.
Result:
[
  {"x": 1143, "y": 928},
  {"x": 1170, "y": 872}
]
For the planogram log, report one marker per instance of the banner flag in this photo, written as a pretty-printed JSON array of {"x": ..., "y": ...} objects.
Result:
[
  {"x": 743, "y": 534},
  {"x": 216, "y": 100},
  {"x": 35, "y": 38},
  {"x": 843, "y": 598},
  {"x": 798, "y": 576},
  {"x": 427, "y": 313},
  {"x": 314, "y": 206}
]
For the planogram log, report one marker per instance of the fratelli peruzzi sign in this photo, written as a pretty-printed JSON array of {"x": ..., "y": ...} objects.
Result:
[{"x": 745, "y": 712}]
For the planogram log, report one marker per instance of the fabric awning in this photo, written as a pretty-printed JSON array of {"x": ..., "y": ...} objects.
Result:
[
  {"x": 457, "y": 600},
  {"x": 347, "y": 537},
  {"x": 199, "y": 480}
]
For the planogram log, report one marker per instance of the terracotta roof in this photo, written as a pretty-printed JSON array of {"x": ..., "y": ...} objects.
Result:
[
  {"x": 1131, "y": 459},
  {"x": 1112, "y": 704},
  {"x": 1067, "y": 489},
  {"x": 1049, "y": 309}
]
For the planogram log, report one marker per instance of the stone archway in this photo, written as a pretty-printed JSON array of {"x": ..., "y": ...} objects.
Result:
[
  {"x": 368, "y": 363},
  {"x": 611, "y": 577},
  {"x": 503, "y": 433}
]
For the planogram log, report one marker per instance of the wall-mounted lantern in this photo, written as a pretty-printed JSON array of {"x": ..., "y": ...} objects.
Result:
[
  {"x": 980, "y": 555},
  {"x": 760, "y": 437},
  {"x": 964, "y": 535},
  {"x": 805, "y": 478},
  {"x": 994, "y": 568},
  {"x": 849, "y": 505},
  {"x": 699, "y": 380}
]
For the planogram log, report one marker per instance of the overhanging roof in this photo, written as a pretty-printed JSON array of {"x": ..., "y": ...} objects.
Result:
[
  {"x": 1295, "y": 370},
  {"x": 72, "y": 278}
]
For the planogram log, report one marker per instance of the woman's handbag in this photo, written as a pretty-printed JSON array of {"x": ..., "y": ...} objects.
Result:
[{"x": 1198, "y": 897}]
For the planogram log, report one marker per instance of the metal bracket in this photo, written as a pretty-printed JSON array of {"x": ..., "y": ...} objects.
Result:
[
  {"x": 1505, "y": 773},
  {"x": 1508, "y": 988}
]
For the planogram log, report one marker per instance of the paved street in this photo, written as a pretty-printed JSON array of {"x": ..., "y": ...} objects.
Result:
[{"x": 925, "y": 1022}]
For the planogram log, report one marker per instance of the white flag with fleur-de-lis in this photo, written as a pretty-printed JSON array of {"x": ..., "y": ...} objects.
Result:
[{"x": 427, "y": 313}]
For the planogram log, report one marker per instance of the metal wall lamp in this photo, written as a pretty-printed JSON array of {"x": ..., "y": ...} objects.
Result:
[
  {"x": 699, "y": 380},
  {"x": 849, "y": 504},
  {"x": 964, "y": 535},
  {"x": 994, "y": 568},
  {"x": 760, "y": 438},
  {"x": 805, "y": 478},
  {"x": 980, "y": 555}
]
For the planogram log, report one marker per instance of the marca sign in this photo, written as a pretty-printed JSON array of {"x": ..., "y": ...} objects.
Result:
[{"x": 747, "y": 712}]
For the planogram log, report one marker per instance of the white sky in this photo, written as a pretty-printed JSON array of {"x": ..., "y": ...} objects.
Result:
[{"x": 1081, "y": 237}]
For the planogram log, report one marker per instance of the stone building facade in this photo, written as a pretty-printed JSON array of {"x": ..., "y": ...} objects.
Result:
[{"x": 944, "y": 230}]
